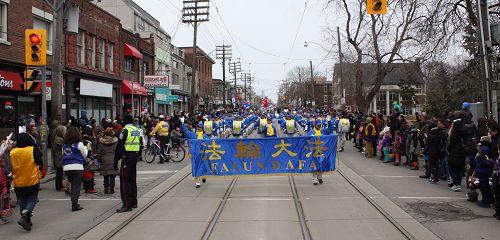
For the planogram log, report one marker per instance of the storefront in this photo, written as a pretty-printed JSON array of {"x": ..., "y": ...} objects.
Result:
[
  {"x": 133, "y": 91},
  {"x": 16, "y": 106},
  {"x": 161, "y": 97},
  {"x": 97, "y": 98}
]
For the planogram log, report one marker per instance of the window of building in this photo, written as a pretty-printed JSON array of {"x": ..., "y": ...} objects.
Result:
[
  {"x": 91, "y": 49},
  {"x": 129, "y": 65},
  {"x": 102, "y": 58},
  {"x": 47, "y": 26},
  {"x": 3, "y": 20},
  {"x": 110, "y": 57},
  {"x": 175, "y": 79},
  {"x": 80, "y": 46},
  {"x": 419, "y": 90},
  {"x": 382, "y": 102},
  {"x": 145, "y": 68},
  {"x": 326, "y": 88},
  {"x": 325, "y": 98},
  {"x": 140, "y": 23},
  {"x": 176, "y": 64},
  {"x": 393, "y": 96}
]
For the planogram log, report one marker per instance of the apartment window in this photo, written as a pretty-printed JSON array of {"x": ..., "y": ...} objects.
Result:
[
  {"x": 102, "y": 58},
  {"x": 47, "y": 26},
  {"x": 175, "y": 79},
  {"x": 145, "y": 68},
  {"x": 110, "y": 57},
  {"x": 3, "y": 20},
  {"x": 80, "y": 46},
  {"x": 176, "y": 64},
  {"x": 91, "y": 49},
  {"x": 325, "y": 99},
  {"x": 129, "y": 65},
  {"x": 326, "y": 88},
  {"x": 140, "y": 23}
]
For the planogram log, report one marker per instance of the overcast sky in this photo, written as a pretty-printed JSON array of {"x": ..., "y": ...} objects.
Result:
[{"x": 261, "y": 32}]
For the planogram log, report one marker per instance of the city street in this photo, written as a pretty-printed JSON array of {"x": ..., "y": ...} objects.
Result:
[{"x": 53, "y": 218}]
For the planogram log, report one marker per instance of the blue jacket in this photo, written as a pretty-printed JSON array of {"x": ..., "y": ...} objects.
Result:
[
  {"x": 71, "y": 155},
  {"x": 190, "y": 134}
]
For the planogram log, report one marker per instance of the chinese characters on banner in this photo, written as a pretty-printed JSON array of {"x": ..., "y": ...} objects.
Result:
[{"x": 291, "y": 155}]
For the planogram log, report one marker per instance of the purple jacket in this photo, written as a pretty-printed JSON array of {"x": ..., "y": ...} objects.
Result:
[{"x": 386, "y": 142}]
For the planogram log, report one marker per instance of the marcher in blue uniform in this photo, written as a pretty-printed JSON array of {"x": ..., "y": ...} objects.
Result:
[{"x": 317, "y": 131}]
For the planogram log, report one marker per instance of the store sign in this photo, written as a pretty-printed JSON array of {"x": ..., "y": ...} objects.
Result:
[
  {"x": 175, "y": 87},
  {"x": 8, "y": 106},
  {"x": 4, "y": 83},
  {"x": 162, "y": 95},
  {"x": 155, "y": 81},
  {"x": 48, "y": 93}
]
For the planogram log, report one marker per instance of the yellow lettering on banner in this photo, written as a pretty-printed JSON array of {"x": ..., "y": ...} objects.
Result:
[
  {"x": 213, "y": 166},
  {"x": 224, "y": 167},
  {"x": 301, "y": 164},
  {"x": 289, "y": 165},
  {"x": 260, "y": 165},
  {"x": 313, "y": 166},
  {"x": 235, "y": 166},
  {"x": 246, "y": 167},
  {"x": 275, "y": 165}
]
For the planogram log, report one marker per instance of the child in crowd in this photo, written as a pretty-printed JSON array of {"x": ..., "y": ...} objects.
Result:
[
  {"x": 413, "y": 148},
  {"x": 483, "y": 171},
  {"x": 386, "y": 145},
  {"x": 396, "y": 147}
]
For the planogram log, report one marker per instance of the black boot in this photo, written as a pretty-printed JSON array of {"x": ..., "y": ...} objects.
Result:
[
  {"x": 123, "y": 209},
  {"x": 76, "y": 207},
  {"x": 25, "y": 222},
  {"x": 106, "y": 189},
  {"x": 112, "y": 189}
]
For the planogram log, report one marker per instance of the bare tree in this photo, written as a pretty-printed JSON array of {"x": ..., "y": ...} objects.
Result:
[{"x": 411, "y": 30}]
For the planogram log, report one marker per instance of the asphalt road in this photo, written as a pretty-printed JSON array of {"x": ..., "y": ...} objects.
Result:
[
  {"x": 53, "y": 218},
  {"x": 447, "y": 214}
]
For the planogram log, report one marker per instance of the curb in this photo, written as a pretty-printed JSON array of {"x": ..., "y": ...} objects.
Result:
[
  {"x": 405, "y": 223},
  {"x": 117, "y": 221}
]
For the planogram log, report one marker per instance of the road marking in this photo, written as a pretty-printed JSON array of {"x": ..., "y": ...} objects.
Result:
[
  {"x": 153, "y": 172},
  {"x": 448, "y": 198},
  {"x": 260, "y": 199},
  {"x": 388, "y": 176},
  {"x": 80, "y": 199},
  {"x": 143, "y": 178}
]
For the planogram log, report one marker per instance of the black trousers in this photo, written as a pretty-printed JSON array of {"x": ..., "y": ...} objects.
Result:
[
  {"x": 59, "y": 178},
  {"x": 109, "y": 180},
  {"x": 433, "y": 164},
  {"x": 128, "y": 179},
  {"x": 75, "y": 178},
  {"x": 163, "y": 142}
]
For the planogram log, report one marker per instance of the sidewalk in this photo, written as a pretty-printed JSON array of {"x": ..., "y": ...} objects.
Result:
[{"x": 345, "y": 207}]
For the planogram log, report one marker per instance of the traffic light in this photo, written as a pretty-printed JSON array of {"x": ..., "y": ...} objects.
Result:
[
  {"x": 376, "y": 6},
  {"x": 36, "y": 47},
  {"x": 29, "y": 83}
]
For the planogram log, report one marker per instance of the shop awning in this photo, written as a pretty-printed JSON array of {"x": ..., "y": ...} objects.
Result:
[
  {"x": 131, "y": 51},
  {"x": 137, "y": 89},
  {"x": 12, "y": 81}
]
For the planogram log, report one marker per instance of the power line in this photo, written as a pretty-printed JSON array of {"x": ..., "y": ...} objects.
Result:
[{"x": 296, "y": 35}]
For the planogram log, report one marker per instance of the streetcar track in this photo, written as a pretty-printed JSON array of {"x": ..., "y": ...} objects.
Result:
[
  {"x": 306, "y": 234},
  {"x": 384, "y": 213}
]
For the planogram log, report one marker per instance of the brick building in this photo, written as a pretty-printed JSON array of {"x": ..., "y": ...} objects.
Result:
[
  {"x": 137, "y": 60},
  {"x": 203, "y": 73},
  {"x": 92, "y": 64},
  {"x": 16, "y": 16}
]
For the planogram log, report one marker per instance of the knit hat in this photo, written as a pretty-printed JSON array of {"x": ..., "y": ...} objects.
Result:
[{"x": 484, "y": 150}]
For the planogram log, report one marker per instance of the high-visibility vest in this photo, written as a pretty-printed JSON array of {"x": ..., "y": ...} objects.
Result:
[
  {"x": 199, "y": 134},
  {"x": 317, "y": 132},
  {"x": 344, "y": 125},
  {"x": 208, "y": 127},
  {"x": 132, "y": 143},
  {"x": 26, "y": 173},
  {"x": 236, "y": 127},
  {"x": 374, "y": 131},
  {"x": 290, "y": 126},
  {"x": 270, "y": 130}
]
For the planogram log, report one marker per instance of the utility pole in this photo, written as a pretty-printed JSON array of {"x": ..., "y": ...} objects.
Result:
[
  {"x": 312, "y": 84},
  {"x": 342, "y": 93},
  {"x": 245, "y": 79},
  {"x": 194, "y": 11},
  {"x": 223, "y": 52},
  {"x": 234, "y": 68},
  {"x": 485, "y": 45},
  {"x": 305, "y": 90}
]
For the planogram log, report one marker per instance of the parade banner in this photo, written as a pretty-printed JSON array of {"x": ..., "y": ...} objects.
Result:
[{"x": 263, "y": 156}]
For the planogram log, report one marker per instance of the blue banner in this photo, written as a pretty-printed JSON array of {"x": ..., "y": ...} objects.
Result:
[{"x": 247, "y": 156}]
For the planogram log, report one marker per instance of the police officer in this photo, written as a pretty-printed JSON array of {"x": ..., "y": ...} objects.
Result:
[
  {"x": 128, "y": 150},
  {"x": 162, "y": 131}
]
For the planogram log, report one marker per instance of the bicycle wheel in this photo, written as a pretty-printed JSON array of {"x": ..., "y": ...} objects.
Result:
[
  {"x": 177, "y": 154},
  {"x": 151, "y": 154}
]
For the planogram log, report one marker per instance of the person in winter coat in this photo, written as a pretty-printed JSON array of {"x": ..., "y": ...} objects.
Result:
[
  {"x": 105, "y": 155},
  {"x": 57, "y": 140},
  {"x": 413, "y": 147},
  {"x": 74, "y": 153},
  {"x": 457, "y": 154},
  {"x": 26, "y": 160},
  {"x": 483, "y": 171},
  {"x": 434, "y": 147},
  {"x": 496, "y": 185}
]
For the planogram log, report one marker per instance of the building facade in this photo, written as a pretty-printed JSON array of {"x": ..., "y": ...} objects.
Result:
[
  {"x": 203, "y": 73},
  {"x": 181, "y": 77},
  {"x": 399, "y": 75}
]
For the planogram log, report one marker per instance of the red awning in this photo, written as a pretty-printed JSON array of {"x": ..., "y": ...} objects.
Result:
[
  {"x": 138, "y": 89},
  {"x": 131, "y": 51},
  {"x": 13, "y": 81}
]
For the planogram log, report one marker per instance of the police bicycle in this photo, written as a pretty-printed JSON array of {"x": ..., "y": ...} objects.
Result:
[{"x": 177, "y": 152}]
